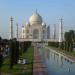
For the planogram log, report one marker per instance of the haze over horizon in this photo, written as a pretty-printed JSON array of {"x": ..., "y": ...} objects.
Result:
[{"x": 50, "y": 10}]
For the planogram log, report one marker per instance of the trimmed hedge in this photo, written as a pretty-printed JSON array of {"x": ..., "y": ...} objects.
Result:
[
  {"x": 54, "y": 44},
  {"x": 57, "y": 44}
]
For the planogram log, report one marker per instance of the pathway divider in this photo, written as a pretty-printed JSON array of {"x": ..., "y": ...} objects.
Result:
[{"x": 38, "y": 67}]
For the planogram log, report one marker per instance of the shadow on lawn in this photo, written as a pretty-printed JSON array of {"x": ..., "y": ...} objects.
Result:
[{"x": 18, "y": 69}]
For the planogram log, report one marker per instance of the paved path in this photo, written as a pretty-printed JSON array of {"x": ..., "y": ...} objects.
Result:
[{"x": 38, "y": 67}]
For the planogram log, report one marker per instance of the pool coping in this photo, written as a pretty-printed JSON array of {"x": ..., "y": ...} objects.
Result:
[{"x": 68, "y": 57}]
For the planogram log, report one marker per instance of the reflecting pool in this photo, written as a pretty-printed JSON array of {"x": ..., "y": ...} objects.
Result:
[{"x": 57, "y": 64}]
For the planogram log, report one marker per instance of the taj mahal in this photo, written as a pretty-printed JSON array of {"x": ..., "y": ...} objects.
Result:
[{"x": 35, "y": 29}]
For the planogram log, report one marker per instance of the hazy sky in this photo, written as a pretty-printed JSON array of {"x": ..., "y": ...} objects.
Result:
[{"x": 50, "y": 10}]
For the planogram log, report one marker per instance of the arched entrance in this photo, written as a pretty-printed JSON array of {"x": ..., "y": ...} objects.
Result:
[{"x": 35, "y": 34}]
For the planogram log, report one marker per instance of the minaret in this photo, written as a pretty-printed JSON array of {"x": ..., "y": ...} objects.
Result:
[
  {"x": 60, "y": 31},
  {"x": 16, "y": 31},
  {"x": 54, "y": 31},
  {"x": 48, "y": 32},
  {"x": 11, "y": 28}
]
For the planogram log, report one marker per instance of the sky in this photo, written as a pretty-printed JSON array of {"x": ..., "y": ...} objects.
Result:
[{"x": 50, "y": 10}]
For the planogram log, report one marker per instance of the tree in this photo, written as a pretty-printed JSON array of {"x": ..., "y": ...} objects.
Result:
[
  {"x": 72, "y": 35},
  {"x": 0, "y": 38},
  {"x": 14, "y": 52},
  {"x": 66, "y": 36},
  {"x": 1, "y": 54},
  {"x": 69, "y": 39}
]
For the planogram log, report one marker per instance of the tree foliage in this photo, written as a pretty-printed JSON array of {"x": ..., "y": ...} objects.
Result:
[
  {"x": 1, "y": 55},
  {"x": 54, "y": 44},
  {"x": 14, "y": 52},
  {"x": 69, "y": 40}
]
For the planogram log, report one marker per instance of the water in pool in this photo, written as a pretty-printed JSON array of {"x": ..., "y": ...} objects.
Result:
[{"x": 57, "y": 65}]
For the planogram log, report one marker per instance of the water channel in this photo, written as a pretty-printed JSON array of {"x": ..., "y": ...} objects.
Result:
[{"x": 56, "y": 64}]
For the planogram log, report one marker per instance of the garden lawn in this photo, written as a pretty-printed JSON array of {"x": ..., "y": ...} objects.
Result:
[{"x": 20, "y": 69}]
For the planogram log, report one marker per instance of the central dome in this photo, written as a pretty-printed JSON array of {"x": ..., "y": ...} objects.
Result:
[{"x": 35, "y": 19}]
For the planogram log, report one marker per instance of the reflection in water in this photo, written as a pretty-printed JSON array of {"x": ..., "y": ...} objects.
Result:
[
  {"x": 61, "y": 61},
  {"x": 54, "y": 56},
  {"x": 57, "y": 65},
  {"x": 47, "y": 53}
]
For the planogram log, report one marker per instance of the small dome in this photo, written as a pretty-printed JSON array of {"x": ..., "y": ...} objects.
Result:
[
  {"x": 43, "y": 24},
  {"x": 35, "y": 19},
  {"x": 27, "y": 23}
]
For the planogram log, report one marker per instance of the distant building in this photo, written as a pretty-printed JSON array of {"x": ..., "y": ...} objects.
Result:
[{"x": 35, "y": 28}]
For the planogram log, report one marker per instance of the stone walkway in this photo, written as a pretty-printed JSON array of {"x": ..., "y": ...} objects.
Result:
[{"x": 38, "y": 67}]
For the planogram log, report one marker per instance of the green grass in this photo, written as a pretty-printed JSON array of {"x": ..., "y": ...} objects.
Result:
[
  {"x": 20, "y": 69},
  {"x": 65, "y": 52}
]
